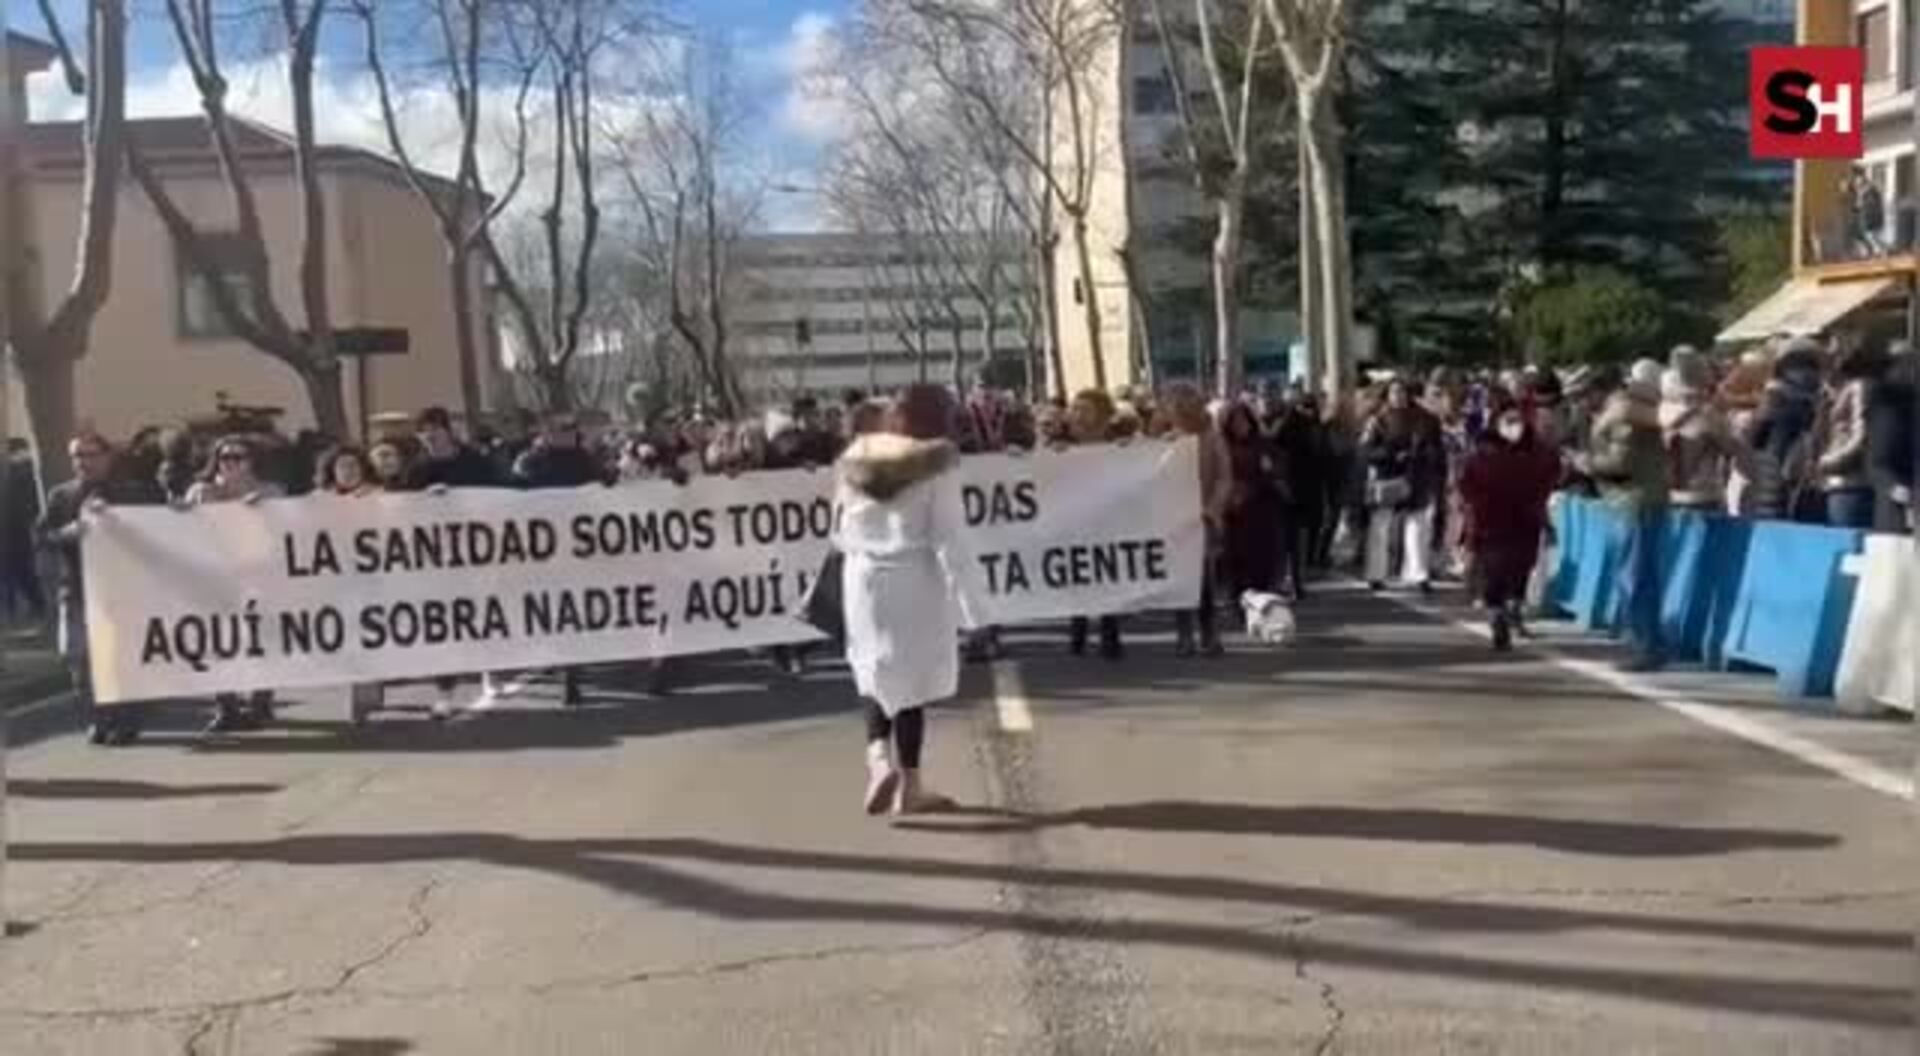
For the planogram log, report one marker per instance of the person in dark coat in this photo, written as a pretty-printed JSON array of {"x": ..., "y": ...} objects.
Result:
[
  {"x": 18, "y": 570},
  {"x": 1504, "y": 487},
  {"x": 1300, "y": 438},
  {"x": 96, "y": 488},
  {"x": 1893, "y": 446},
  {"x": 1254, "y": 509},
  {"x": 444, "y": 461},
  {"x": 558, "y": 459},
  {"x": 1785, "y": 432}
]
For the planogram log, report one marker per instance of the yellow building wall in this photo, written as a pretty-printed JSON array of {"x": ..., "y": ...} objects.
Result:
[{"x": 385, "y": 268}]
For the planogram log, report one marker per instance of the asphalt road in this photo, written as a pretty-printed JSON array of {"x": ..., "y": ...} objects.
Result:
[{"x": 1379, "y": 839}]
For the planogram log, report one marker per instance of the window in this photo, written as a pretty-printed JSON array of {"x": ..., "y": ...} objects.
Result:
[
  {"x": 200, "y": 318},
  {"x": 1152, "y": 95},
  {"x": 1873, "y": 32}
]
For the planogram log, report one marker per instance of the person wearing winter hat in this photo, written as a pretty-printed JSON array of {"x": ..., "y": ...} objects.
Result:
[
  {"x": 1782, "y": 433},
  {"x": 1699, "y": 440},
  {"x": 1628, "y": 461}
]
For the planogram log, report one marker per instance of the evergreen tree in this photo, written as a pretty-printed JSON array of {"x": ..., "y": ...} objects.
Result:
[{"x": 1598, "y": 132}]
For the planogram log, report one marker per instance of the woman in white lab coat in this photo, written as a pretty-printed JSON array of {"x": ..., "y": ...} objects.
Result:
[{"x": 902, "y": 531}]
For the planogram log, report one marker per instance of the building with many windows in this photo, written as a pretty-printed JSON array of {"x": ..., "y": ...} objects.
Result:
[
  {"x": 824, "y": 313},
  {"x": 1856, "y": 247}
]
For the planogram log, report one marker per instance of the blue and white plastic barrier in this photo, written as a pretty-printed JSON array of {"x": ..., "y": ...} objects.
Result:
[
  {"x": 1767, "y": 594},
  {"x": 1877, "y": 666}
]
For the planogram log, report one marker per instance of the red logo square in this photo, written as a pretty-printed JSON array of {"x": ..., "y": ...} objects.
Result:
[{"x": 1807, "y": 102}]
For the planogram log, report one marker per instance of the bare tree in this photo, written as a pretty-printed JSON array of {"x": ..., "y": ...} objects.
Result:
[
  {"x": 572, "y": 42},
  {"x": 912, "y": 166},
  {"x": 49, "y": 342},
  {"x": 1230, "y": 89},
  {"x": 674, "y": 168},
  {"x": 1312, "y": 38},
  {"x": 1029, "y": 75},
  {"x": 253, "y": 314},
  {"x": 467, "y": 59}
]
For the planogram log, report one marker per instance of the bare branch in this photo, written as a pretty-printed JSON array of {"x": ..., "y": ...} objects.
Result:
[{"x": 69, "y": 69}]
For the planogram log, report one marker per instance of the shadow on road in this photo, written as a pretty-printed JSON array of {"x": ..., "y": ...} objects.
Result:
[
  {"x": 636, "y": 867},
  {"x": 358, "y": 1047},
  {"x": 1401, "y": 824},
  {"x": 83, "y": 788}
]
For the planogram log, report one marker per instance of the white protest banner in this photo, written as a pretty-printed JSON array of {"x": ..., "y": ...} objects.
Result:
[{"x": 327, "y": 590}]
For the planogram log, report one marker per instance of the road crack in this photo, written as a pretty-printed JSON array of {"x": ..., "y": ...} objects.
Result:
[
  {"x": 1336, "y": 1013},
  {"x": 749, "y": 964},
  {"x": 206, "y": 1014}
]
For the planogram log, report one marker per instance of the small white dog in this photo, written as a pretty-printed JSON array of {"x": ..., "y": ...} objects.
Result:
[{"x": 1269, "y": 617}]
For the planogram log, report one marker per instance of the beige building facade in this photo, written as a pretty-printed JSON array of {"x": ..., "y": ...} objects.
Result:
[{"x": 161, "y": 354}]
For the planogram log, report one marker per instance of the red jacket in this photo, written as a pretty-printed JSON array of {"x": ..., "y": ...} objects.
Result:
[{"x": 1506, "y": 488}]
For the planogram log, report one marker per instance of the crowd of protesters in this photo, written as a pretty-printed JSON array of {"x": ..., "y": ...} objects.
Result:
[{"x": 1412, "y": 480}]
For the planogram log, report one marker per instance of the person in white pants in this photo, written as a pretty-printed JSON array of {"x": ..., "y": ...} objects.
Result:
[
  {"x": 1413, "y": 529},
  {"x": 1405, "y": 456}
]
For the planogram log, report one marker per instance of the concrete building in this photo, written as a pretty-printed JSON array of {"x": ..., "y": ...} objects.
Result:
[
  {"x": 161, "y": 354},
  {"x": 1844, "y": 266},
  {"x": 823, "y": 313},
  {"x": 1150, "y": 294}
]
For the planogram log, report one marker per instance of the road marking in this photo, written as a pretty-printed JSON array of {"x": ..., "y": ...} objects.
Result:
[
  {"x": 1863, "y": 772},
  {"x": 1010, "y": 698}
]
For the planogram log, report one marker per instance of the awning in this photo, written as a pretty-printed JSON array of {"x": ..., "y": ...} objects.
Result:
[{"x": 1804, "y": 307}]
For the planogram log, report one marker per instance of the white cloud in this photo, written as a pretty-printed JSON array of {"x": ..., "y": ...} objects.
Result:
[
  {"x": 346, "y": 108},
  {"x": 810, "y": 109}
]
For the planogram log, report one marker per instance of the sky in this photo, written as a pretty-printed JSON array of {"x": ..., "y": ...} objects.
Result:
[{"x": 775, "y": 44}]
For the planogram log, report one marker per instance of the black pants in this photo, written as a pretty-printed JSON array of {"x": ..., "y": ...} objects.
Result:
[
  {"x": 1109, "y": 633},
  {"x": 1183, "y": 620},
  {"x": 1504, "y": 572},
  {"x": 908, "y": 730}
]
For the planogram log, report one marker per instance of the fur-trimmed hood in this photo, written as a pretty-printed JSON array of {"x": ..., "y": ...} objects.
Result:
[{"x": 882, "y": 465}]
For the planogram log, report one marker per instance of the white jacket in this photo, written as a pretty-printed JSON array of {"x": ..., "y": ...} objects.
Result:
[{"x": 903, "y": 531}]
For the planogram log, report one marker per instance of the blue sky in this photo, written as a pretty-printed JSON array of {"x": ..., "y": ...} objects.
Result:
[{"x": 772, "y": 41}]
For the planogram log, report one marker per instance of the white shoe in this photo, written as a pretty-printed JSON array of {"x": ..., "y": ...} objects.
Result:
[{"x": 882, "y": 777}]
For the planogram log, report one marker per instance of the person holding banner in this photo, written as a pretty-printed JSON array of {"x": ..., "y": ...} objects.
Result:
[
  {"x": 347, "y": 472},
  {"x": 230, "y": 476},
  {"x": 557, "y": 459},
  {"x": 94, "y": 490},
  {"x": 902, "y": 531},
  {"x": 1184, "y": 413},
  {"x": 1089, "y": 420}
]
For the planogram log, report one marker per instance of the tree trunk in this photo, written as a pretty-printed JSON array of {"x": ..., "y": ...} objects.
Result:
[
  {"x": 327, "y": 397},
  {"x": 1553, "y": 159},
  {"x": 1309, "y": 257},
  {"x": 1090, "y": 298},
  {"x": 1055, "y": 374},
  {"x": 460, "y": 272},
  {"x": 959, "y": 358},
  {"x": 1230, "y": 208},
  {"x": 556, "y": 388},
  {"x": 47, "y": 375},
  {"x": 1327, "y": 167}
]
